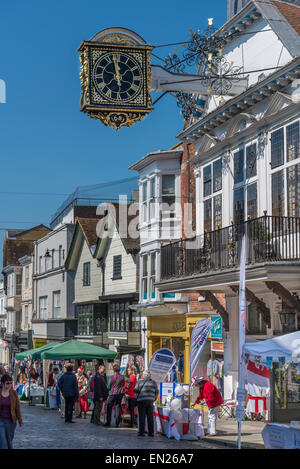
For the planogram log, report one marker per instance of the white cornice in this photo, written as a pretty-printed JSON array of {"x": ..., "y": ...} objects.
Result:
[
  {"x": 248, "y": 99},
  {"x": 155, "y": 156}
]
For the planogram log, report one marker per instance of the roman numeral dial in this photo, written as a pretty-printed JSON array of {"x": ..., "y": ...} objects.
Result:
[{"x": 118, "y": 77}]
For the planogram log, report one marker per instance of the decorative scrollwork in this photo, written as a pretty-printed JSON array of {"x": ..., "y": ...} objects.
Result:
[{"x": 204, "y": 50}]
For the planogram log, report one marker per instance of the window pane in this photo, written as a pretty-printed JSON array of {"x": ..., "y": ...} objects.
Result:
[
  {"x": 238, "y": 159},
  {"x": 152, "y": 187},
  {"x": 207, "y": 215},
  {"x": 207, "y": 181},
  {"x": 168, "y": 184},
  {"x": 217, "y": 211},
  {"x": 293, "y": 190},
  {"x": 117, "y": 266},
  {"x": 277, "y": 148},
  {"x": 86, "y": 273},
  {"x": 239, "y": 205},
  {"x": 292, "y": 141},
  {"x": 252, "y": 200},
  {"x": 217, "y": 171},
  {"x": 136, "y": 321},
  {"x": 144, "y": 191},
  {"x": 277, "y": 194},
  {"x": 251, "y": 161}
]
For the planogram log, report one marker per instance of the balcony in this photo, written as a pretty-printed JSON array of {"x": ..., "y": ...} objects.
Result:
[{"x": 270, "y": 239}]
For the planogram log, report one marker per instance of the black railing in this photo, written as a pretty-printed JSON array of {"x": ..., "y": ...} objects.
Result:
[{"x": 269, "y": 239}]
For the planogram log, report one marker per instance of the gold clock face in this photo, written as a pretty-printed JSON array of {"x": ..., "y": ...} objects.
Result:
[{"x": 118, "y": 77}]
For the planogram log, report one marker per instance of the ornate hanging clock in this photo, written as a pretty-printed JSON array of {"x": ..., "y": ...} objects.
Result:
[{"x": 116, "y": 77}]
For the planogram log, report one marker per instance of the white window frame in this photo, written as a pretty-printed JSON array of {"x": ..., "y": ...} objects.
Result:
[
  {"x": 212, "y": 195},
  {"x": 284, "y": 166},
  {"x": 43, "y": 309},
  {"x": 57, "y": 307},
  {"x": 246, "y": 182},
  {"x": 26, "y": 275}
]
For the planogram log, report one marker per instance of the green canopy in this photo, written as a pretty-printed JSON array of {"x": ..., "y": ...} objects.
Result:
[
  {"x": 35, "y": 352},
  {"x": 75, "y": 349}
]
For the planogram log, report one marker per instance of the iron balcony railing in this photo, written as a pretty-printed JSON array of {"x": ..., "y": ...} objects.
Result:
[{"x": 269, "y": 239}]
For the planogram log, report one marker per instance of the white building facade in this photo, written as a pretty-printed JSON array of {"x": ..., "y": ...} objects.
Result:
[{"x": 247, "y": 171}]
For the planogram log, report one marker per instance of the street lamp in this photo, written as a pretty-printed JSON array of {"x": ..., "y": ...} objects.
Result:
[
  {"x": 287, "y": 319},
  {"x": 48, "y": 254}
]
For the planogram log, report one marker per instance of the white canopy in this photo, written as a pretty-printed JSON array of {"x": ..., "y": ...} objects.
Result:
[{"x": 287, "y": 346}]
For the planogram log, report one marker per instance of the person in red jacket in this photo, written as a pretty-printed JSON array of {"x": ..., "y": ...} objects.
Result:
[
  {"x": 128, "y": 390},
  {"x": 210, "y": 394}
]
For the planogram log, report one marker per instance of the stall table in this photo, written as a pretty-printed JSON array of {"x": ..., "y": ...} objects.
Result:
[
  {"x": 280, "y": 436},
  {"x": 192, "y": 422}
]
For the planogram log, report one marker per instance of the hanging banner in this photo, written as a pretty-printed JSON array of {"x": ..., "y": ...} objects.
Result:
[
  {"x": 199, "y": 337},
  {"x": 241, "y": 393},
  {"x": 242, "y": 308},
  {"x": 161, "y": 363}
]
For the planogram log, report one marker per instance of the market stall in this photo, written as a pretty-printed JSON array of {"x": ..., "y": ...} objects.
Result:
[
  {"x": 74, "y": 350},
  {"x": 277, "y": 362},
  {"x": 175, "y": 424},
  {"x": 31, "y": 389}
]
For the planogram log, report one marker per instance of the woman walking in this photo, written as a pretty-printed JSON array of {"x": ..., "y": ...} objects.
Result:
[
  {"x": 128, "y": 390},
  {"x": 10, "y": 412}
]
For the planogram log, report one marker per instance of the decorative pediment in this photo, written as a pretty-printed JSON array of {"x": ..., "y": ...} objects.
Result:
[
  {"x": 239, "y": 123},
  {"x": 277, "y": 102},
  {"x": 207, "y": 142}
]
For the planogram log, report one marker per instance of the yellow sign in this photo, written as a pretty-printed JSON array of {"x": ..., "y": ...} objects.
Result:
[{"x": 39, "y": 343}]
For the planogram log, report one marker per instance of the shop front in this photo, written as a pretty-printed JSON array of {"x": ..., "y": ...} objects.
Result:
[{"x": 174, "y": 332}]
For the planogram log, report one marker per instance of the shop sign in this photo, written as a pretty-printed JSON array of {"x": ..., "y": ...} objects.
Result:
[
  {"x": 179, "y": 326},
  {"x": 167, "y": 392},
  {"x": 124, "y": 361},
  {"x": 39, "y": 343},
  {"x": 217, "y": 347},
  {"x": 161, "y": 363},
  {"x": 216, "y": 332}
]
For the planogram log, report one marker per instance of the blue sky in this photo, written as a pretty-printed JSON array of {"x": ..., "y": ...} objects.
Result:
[{"x": 47, "y": 145}]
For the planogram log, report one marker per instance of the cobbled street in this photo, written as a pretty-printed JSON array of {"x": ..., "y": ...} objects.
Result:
[{"x": 44, "y": 429}]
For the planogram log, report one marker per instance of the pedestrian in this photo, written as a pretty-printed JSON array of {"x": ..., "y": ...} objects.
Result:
[
  {"x": 129, "y": 393},
  {"x": 83, "y": 391},
  {"x": 211, "y": 395},
  {"x": 146, "y": 392},
  {"x": 116, "y": 385},
  {"x": 10, "y": 413},
  {"x": 67, "y": 383},
  {"x": 174, "y": 375},
  {"x": 100, "y": 394}
]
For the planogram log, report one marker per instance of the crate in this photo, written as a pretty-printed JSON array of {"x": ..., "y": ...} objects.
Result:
[{"x": 37, "y": 400}]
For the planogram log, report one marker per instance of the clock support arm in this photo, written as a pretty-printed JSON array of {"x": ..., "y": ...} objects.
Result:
[{"x": 164, "y": 80}]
